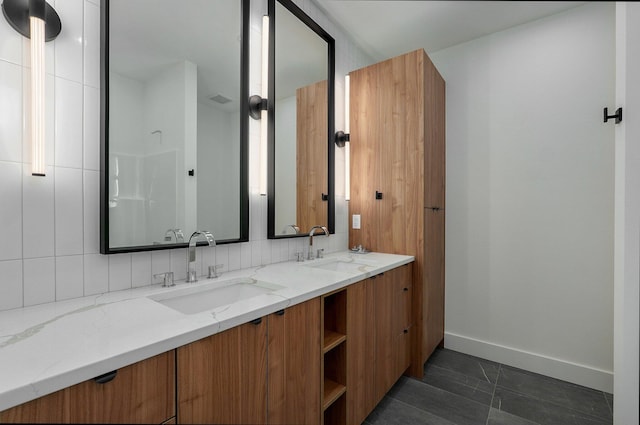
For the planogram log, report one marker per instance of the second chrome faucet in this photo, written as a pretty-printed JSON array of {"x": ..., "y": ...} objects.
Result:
[
  {"x": 192, "y": 275},
  {"x": 311, "y": 233}
]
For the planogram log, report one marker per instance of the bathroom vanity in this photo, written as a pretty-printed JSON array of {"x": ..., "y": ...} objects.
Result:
[{"x": 312, "y": 342}]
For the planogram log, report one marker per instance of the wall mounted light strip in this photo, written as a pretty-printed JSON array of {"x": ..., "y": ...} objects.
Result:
[
  {"x": 38, "y": 166},
  {"x": 347, "y": 146},
  {"x": 37, "y": 20},
  {"x": 265, "y": 94}
]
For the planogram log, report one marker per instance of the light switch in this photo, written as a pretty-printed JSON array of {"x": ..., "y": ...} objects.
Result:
[{"x": 355, "y": 222}]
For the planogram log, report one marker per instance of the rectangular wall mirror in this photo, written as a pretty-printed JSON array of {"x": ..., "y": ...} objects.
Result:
[
  {"x": 174, "y": 122},
  {"x": 301, "y": 123}
]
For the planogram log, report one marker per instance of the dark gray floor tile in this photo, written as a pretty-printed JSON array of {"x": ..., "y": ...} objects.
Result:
[
  {"x": 467, "y": 365},
  {"x": 500, "y": 417},
  {"x": 541, "y": 411},
  {"x": 458, "y": 383},
  {"x": 609, "y": 398},
  {"x": 576, "y": 397},
  {"x": 442, "y": 404},
  {"x": 394, "y": 412}
]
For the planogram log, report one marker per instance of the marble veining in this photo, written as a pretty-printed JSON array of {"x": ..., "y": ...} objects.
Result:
[{"x": 51, "y": 346}]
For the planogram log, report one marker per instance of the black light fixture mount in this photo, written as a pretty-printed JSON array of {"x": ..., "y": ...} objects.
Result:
[
  {"x": 18, "y": 12},
  {"x": 257, "y": 104},
  {"x": 341, "y": 138}
]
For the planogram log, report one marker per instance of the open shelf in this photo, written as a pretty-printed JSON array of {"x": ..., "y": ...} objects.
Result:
[
  {"x": 332, "y": 391},
  {"x": 332, "y": 339}
]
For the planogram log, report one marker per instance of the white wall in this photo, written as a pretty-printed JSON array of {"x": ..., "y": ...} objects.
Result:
[
  {"x": 50, "y": 243},
  {"x": 529, "y": 206},
  {"x": 627, "y": 219}
]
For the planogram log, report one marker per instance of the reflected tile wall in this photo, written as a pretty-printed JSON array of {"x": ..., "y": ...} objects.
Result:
[{"x": 50, "y": 244}]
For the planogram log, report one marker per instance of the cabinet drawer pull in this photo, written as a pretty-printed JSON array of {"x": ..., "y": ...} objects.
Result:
[
  {"x": 256, "y": 321},
  {"x": 405, "y": 289},
  {"x": 107, "y": 377},
  {"x": 406, "y": 331},
  {"x": 280, "y": 312}
]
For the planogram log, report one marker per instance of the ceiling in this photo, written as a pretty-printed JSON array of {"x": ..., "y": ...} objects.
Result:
[{"x": 387, "y": 28}]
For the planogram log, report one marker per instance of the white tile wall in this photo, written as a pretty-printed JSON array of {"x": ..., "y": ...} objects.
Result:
[{"x": 50, "y": 246}]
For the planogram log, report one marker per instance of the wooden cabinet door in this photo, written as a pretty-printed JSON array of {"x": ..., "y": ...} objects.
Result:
[
  {"x": 44, "y": 410},
  {"x": 433, "y": 296},
  {"x": 385, "y": 335},
  {"x": 294, "y": 354},
  {"x": 222, "y": 378},
  {"x": 402, "y": 292},
  {"x": 143, "y": 392},
  {"x": 365, "y": 157},
  {"x": 360, "y": 351}
]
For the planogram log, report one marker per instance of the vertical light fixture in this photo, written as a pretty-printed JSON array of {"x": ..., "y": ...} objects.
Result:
[
  {"x": 265, "y": 95},
  {"x": 258, "y": 108},
  {"x": 38, "y": 21},
  {"x": 341, "y": 139},
  {"x": 347, "y": 146}
]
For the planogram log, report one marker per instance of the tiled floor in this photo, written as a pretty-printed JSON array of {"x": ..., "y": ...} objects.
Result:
[{"x": 458, "y": 389}]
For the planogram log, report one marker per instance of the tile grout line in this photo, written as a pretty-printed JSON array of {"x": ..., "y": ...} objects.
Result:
[{"x": 494, "y": 393}]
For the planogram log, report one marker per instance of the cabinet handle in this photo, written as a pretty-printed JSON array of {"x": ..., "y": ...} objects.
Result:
[
  {"x": 325, "y": 197},
  {"x": 405, "y": 289},
  {"x": 280, "y": 312},
  {"x": 378, "y": 195},
  {"x": 406, "y": 331},
  {"x": 107, "y": 377},
  {"x": 256, "y": 321}
]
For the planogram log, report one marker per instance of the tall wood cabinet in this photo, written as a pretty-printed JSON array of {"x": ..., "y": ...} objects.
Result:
[{"x": 397, "y": 120}]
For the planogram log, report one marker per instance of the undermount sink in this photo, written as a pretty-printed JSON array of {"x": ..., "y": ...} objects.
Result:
[
  {"x": 340, "y": 265},
  {"x": 210, "y": 296}
]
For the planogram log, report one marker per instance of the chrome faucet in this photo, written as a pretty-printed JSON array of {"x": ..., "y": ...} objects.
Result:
[
  {"x": 177, "y": 235},
  {"x": 192, "y": 275},
  {"x": 313, "y": 229}
]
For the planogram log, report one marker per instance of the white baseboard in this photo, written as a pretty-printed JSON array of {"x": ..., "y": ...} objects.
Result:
[{"x": 560, "y": 369}]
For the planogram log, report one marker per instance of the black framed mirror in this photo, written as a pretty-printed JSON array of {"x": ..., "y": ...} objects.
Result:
[
  {"x": 301, "y": 152},
  {"x": 174, "y": 122}
]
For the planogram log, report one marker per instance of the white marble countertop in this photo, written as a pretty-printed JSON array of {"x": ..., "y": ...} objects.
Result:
[{"x": 49, "y": 347}]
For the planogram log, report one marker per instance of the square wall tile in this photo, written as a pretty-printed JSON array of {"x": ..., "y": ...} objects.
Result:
[
  {"x": 140, "y": 269},
  {"x": 68, "y": 209},
  {"x": 10, "y": 111},
  {"x": 91, "y": 44},
  {"x": 91, "y": 213},
  {"x": 10, "y": 284},
  {"x": 119, "y": 272},
  {"x": 68, "y": 45},
  {"x": 68, "y": 124},
  {"x": 37, "y": 213},
  {"x": 69, "y": 277},
  {"x": 39, "y": 281},
  {"x": 91, "y": 130},
  {"x": 11, "y": 210},
  {"x": 96, "y": 274}
]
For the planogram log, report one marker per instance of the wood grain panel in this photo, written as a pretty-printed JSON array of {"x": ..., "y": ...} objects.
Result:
[
  {"x": 435, "y": 128},
  {"x": 141, "y": 393},
  {"x": 434, "y": 277},
  {"x": 222, "y": 378},
  {"x": 365, "y": 159},
  {"x": 360, "y": 351},
  {"x": 311, "y": 155},
  {"x": 294, "y": 354},
  {"x": 44, "y": 410}
]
